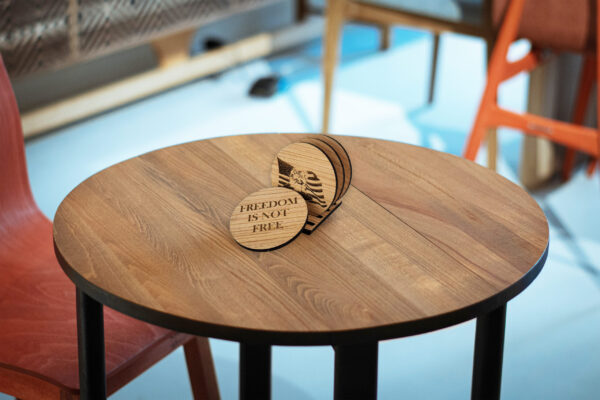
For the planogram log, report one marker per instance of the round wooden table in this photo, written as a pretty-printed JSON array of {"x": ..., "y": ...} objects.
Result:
[{"x": 423, "y": 240}]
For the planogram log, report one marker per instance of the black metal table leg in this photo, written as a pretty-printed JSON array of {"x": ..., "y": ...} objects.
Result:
[
  {"x": 255, "y": 372},
  {"x": 356, "y": 371},
  {"x": 489, "y": 348},
  {"x": 90, "y": 335}
]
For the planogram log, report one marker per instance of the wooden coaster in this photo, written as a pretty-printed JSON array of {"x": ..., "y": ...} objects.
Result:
[
  {"x": 345, "y": 159},
  {"x": 335, "y": 160},
  {"x": 268, "y": 219},
  {"x": 304, "y": 168}
]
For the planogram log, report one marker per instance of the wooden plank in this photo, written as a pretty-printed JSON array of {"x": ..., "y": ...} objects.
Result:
[{"x": 149, "y": 83}]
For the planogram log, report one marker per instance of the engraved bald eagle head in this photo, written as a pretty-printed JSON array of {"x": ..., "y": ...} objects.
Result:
[
  {"x": 306, "y": 183},
  {"x": 298, "y": 180}
]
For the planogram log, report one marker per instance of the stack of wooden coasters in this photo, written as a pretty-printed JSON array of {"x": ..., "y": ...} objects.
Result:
[
  {"x": 317, "y": 167},
  {"x": 309, "y": 177}
]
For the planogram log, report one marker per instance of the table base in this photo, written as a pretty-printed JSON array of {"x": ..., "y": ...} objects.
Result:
[
  {"x": 90, "y": 341},
  {"x": 255, "y": 372},
  {"x": 489, "y": 348},
  {"x": 356, "y": 371},
  {"x": 355, "y": 365}
]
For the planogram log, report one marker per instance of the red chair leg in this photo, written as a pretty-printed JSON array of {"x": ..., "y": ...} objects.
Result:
[
  {"x": 201, "y": 369},
  {"x": 598, "y": 69},
  {"x": 591, "y": 166},
  {"x": 583, "y": 95}
]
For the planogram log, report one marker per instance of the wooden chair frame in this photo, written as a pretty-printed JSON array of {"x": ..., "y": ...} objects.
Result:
[
  {"x": 340, "y": 11},
  {"x": 491, "y": 115}
]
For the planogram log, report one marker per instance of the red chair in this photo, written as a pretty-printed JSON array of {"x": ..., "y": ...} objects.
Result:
[
  {"x": 549, "y": 24},
  {"x": 38, "y": 334}
]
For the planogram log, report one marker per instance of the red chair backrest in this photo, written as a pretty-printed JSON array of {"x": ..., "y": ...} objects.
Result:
[
  {"x": 16, "y": 200},
  {"x": 561, "y": 25}
]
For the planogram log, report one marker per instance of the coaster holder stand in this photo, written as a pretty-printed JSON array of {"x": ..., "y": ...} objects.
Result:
[{"x": 314, "y": 221}]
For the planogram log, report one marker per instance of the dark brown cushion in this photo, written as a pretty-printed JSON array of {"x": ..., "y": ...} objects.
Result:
[{"x": 568, "y": 25}]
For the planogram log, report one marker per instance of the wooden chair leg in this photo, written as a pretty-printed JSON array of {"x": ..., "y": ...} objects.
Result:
[
  {"x": 385, "y": 38},
  {"x": 583, "y": 95},
  {"x": 173, "y": 49},
  {"x": 302, "y": 9},
  {"x": 201, "y": 369},
  {"x": 434, "y": 61},
  {"x": 333, "y": 26}
]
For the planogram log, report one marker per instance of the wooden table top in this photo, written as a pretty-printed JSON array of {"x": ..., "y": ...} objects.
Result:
[{"x": 422, "y": 240}]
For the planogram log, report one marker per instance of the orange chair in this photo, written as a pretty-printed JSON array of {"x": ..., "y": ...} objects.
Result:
[
  {"x": 38, "y": 332},
  {"x": 549, "y": 24}
]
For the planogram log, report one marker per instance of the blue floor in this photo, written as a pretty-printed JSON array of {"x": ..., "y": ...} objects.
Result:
[{"x": 552, "y": 349}]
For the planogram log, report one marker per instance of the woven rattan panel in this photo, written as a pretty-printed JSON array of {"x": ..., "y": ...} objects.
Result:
[{"x": 37, "y": 35}]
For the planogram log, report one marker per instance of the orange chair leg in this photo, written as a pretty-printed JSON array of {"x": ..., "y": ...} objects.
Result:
[
  {"x": 491, "y": 115},
  {"x": 583, "y": 95},
  {"x": 496, "y": 69}
]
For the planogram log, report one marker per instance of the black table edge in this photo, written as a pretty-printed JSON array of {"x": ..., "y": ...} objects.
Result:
[{"x": 253, "y": 336}]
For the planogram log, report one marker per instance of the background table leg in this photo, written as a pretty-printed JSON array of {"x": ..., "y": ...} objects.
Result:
[
  {"x": 255, "y": 372},
  {"x": 90, "y": 334},
  {"x": 355, "y": 372},
  {"x": 489, "y": 347}
]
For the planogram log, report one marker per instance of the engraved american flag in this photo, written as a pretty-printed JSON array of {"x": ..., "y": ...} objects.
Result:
[{"x": 306, "y": 183}]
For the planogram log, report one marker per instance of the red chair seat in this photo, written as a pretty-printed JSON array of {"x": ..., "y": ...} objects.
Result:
[
  {"x": 38, "y": 324},
  {"x": 37, "y": 313},
  {"x": 555, "y": 24}
]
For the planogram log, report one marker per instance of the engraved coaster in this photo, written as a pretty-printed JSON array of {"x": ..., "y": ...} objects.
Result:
[
  {"x": 335, "y": 160},
  {"x": 343, "y": 154},
  {"x": 268, "y": 219},
  {"x": 304, "y": 168}
]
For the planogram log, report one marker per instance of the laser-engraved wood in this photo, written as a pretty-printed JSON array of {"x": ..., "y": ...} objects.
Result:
[
  {"x": 335, "y": 160},
  {"x": 268, "y": 219},
  {"x": 313, "y": 221},
  {"x": 344, "y": 157},
  {"x": 304, "y": 168}
]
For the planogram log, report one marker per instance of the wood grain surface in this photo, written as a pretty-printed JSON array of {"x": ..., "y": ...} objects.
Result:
[
  {"x": 268, "y": 218},
  {"x": 423, "y": 240},
  {"x": 336, "y": 162},
  {"x": 343, "y": 154},
  {"x": 306, "y": 169}
]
